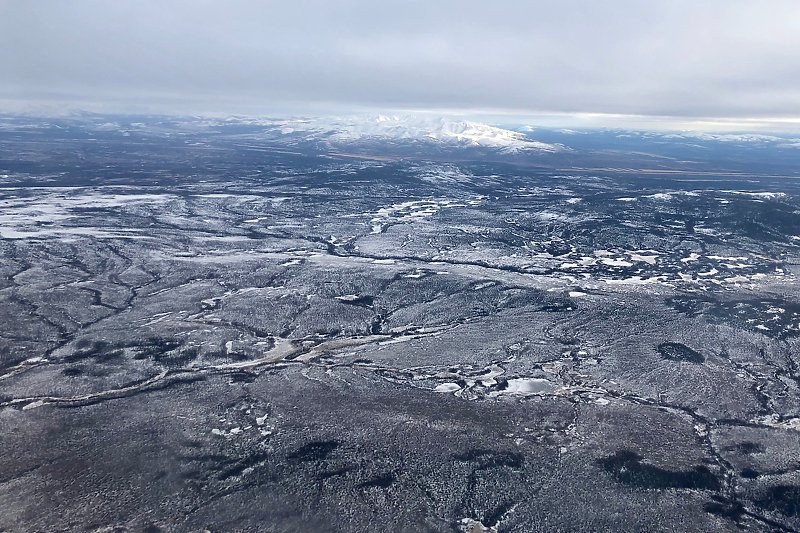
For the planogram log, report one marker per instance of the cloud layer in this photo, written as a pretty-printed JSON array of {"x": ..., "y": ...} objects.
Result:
[{"x": 716, "y": 58}]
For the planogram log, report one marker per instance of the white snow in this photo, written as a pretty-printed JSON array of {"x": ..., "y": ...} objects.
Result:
[
  {"x": 777, "y": 422},
  {"x": 649, "y": 259},
  {"x": 660, "y": 196},
  {"x": 763, "y": 195},
  {"x": 616, "y": 262},
  {"x": 736, "y": 279},
  {"x": 348, "y": 297},
  {"x": 46, "y": 215}
]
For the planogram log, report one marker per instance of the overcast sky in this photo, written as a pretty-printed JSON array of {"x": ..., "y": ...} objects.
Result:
[{"x": 732, "y": 59}]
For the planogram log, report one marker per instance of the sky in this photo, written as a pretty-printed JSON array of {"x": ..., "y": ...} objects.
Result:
[{"x": 714, "y": 64}]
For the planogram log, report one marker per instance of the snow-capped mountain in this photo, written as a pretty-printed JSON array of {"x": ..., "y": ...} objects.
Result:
[
  {"x": 726, "y": 137},
  {"x": 731, "y": 138},
  {"x": 417, "y": 129}
]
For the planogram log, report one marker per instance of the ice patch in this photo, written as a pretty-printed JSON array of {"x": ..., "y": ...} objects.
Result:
[
  {"x": 526, "y": 387},
  {"x": 635, "y": 280},
  {"x": 469, "y": 525},
  {"x": 447, "y": 387},
  {"x": 33, "y": 405}
]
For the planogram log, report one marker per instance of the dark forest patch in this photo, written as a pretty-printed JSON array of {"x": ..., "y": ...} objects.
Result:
[{"x": 675, "y": 351}]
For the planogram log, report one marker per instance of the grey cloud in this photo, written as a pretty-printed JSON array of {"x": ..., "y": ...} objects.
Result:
[{"x": 721, "y": 58}]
